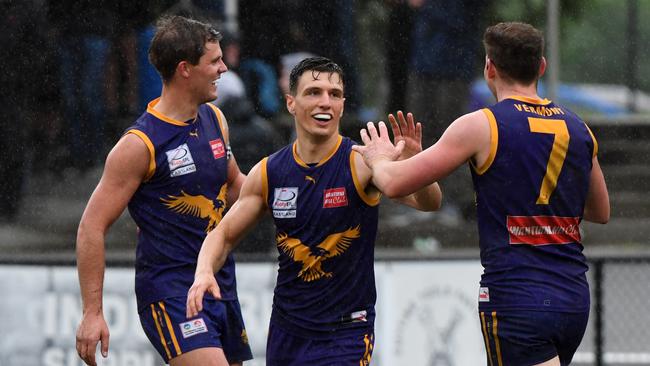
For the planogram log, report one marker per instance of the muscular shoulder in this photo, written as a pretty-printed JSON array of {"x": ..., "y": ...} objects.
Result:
[
  {"x": 362, "y": 176},
  {"x": 470, "y": 125},
  {"x": 131, "y": 155},
  {"x": 360, "y": 169},
  {"x": 221, "y": 119},
  {"x": 470, "y": 135},
  {"x": 256, "y": 182}
]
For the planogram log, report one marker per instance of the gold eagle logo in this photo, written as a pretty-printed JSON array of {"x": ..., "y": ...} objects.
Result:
[
  {"x": 199, "y": 206},
  {"x": 311, "y": 258}
]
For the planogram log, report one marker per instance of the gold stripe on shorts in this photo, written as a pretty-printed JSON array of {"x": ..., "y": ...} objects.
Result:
[
  {"x": 171, "y": 330},
  {"x": 160, "y": 332},
  {"x": 486, "y": 338}
]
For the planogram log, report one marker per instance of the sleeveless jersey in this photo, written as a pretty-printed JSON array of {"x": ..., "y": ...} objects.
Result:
[
  {"x": 530, "y": 197},
  {"x": 182, "y": 198},
  {"x": 326, "y": 228}
]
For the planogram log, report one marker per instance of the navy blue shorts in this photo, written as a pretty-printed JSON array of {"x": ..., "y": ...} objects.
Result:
[
  {"x": 220, "y": 325},
  {"x": 286, "y": 349},
  {"x": 525, "y": 338}
]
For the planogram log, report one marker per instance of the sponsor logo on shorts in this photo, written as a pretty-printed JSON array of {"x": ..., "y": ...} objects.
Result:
[
  {"x": 180, "y": 161},
  {"x": 285, "y": 202},
  {"x": 359, "y": 316},
  {"x": 335, "y": 197},
  {"x": 193, "y": 327},
  {"x": 483, "y": 294}
]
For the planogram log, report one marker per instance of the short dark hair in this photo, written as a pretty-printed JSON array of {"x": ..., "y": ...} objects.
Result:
[
  {"x": 316, "y": 65},
  {"x": 179, "y": 39},
  {"x": 516, "y": 50}
]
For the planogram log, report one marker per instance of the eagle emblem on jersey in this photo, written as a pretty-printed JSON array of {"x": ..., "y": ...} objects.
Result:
[
  {"x": 199, "y": 206},
  {"x": 311, "y": 258}
]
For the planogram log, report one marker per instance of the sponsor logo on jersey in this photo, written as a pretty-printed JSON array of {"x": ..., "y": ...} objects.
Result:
[
  {"x": 483, "y": 294},
  {"x": 335, "y": 197},
  {"x": 285, "y": 202},
  {"x": 543, "y": 230},
  {"x": 218, "y": 149},
  {"x": 193, "y": 327},
  {"x": 180, "y": 161}
]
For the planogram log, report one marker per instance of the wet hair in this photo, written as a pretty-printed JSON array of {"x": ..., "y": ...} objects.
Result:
[
  {"x": 179, "y": 39},
  {"x": 516, "y": 50},
  {"x": 316, "y": 65}
]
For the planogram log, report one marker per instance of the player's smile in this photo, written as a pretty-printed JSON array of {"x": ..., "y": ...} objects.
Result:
[
  {"x": 322, "y": 118},
  {"x": 209, "y": 70}
]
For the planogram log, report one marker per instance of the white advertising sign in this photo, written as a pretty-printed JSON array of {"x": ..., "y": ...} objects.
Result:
[{"x": 426, "y": 315}]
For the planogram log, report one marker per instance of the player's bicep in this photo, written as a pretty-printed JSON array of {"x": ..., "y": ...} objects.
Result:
[
  {"x": 597, "y": 208},
  {"x": 126, "y": 166},
  {"x": 462, "y": 140}
]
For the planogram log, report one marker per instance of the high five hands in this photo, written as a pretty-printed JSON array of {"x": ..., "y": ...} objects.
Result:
[{"x": 378, "y": 147}]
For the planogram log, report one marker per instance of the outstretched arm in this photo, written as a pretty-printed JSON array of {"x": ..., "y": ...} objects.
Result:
[
  {"x": 466, "y": 138},
  {"x": 221, "y": 241},
  {"x": 106, "y": 204}
]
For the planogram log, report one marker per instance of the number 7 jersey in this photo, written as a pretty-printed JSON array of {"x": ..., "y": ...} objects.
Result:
[{"x": 530, "y": 196}]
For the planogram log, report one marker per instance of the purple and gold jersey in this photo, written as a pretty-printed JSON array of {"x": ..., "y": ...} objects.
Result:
[
  {"x": 530, "y": 196},
  {"x": 326, "y": 228},
  {"x": 181, "y": 199}
]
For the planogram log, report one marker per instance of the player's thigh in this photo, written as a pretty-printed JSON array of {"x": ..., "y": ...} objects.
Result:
[
  {"x": 210, "y": 356},
  {"x": 555, "y": 361},
  {"x": 218, "y": 326}
]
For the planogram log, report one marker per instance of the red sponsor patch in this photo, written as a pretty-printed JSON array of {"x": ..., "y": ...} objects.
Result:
[
  {"x": 543, "y": 230},
  {"x": 335, "y": 197},
  {"x": 218, "y": 150},
  {"x": 484, "y": 294}
]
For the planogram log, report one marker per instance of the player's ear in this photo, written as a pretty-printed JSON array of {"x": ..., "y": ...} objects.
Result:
[
  {"x": 542, "y": 67},
  {"x": 183, "y": 69},
  {"x": 290, "y": 103},
  {"x": 489, "y": 67}
]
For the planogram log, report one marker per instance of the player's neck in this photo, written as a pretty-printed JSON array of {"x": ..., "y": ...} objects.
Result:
[
  {"x": 313, "y": 149},
  {"x": 176, "y": 104},
  {"x": 505, "y": 91}
]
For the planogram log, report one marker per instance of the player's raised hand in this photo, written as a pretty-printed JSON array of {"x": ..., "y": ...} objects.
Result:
[
  {"x": 92, "y": 329},
  {"x": 377, "y": 146},
  {"x": 405, "y": 129},
  {"x": 203, "y": 282}
]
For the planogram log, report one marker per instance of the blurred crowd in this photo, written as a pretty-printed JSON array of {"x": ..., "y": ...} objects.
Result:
[{"x": 76, "y": 73}]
